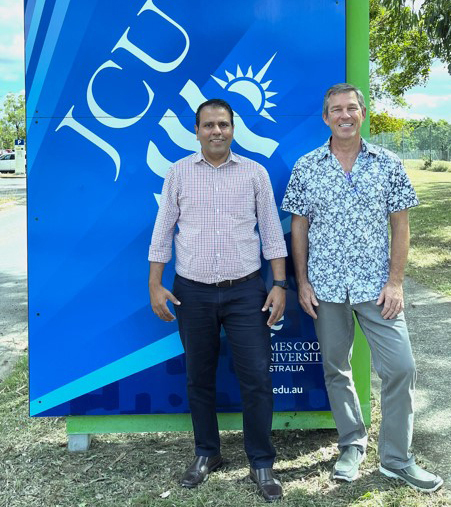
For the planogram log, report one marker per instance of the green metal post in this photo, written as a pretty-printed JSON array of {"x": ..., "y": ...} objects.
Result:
[
  {"x": 357, "y": 73},
  {"x": 358, "y": 51}
]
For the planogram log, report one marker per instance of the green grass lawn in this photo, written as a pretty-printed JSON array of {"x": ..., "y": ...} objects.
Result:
[
  {"x": 430, "y": 227},
  {"x": 143, "y": 470},
  {"x": 418, "y": 164}
]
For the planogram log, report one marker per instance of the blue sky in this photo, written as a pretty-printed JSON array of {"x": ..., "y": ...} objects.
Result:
[
  {"x": 11, "y": 47},
  {"x": 433, "y": 100}
]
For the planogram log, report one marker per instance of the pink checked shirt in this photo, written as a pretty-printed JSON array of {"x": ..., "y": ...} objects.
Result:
[{"x": 216, "y": 210}]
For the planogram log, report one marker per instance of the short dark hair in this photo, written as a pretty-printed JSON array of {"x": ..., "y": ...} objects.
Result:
[
  {"x": 214, "y": 103},
  {"x": 342, "y": 88}
]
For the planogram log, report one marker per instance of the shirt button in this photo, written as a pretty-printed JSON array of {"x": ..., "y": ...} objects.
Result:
[
  {"x": 217, "y": 232},
  {"x": 218, "y": 255},
  {"x": 217, "y": 211}
]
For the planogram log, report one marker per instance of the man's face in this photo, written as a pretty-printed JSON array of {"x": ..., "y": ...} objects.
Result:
[
  {"x": 215, "y": 133},
  {"x": 345, "y": 117}
]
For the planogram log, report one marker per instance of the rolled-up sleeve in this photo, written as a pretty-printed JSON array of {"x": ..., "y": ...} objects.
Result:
[
  {"x": 270, "y": 228},
  {"x": 160, "y": 249}
]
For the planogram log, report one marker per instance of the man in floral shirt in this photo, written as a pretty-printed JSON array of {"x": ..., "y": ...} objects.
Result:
[{"x": 342, "y": 196}]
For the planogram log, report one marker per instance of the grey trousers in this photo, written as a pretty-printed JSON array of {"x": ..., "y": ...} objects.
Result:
[{"x": 393, "y": 361}]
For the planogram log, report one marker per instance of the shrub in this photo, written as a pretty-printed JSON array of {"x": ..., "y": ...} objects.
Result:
[
  {"x": 427, "y": 165},
  {"x": 438, "y": 168}
]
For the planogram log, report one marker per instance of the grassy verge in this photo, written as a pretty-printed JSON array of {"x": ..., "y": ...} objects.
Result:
[
  {"x": 140, "y": 470},
  {"x": 430, "y": 224},
  {"x": 6, "y": 201},
  {"x": 437, "y": 165}
]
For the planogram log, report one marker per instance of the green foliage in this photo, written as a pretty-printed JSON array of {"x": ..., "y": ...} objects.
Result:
[
  {"x": 429, "y": 139},
  {"x": 427, "y": 165},
  {"x": 432, "y": 134},
  {"x": 400, "y": 52},
  {"x": 12, "y": 120},
  {"x": 383, "y": 122},
  {"x": 432, "y": 18},
  {"x": 439, "y": 168}
]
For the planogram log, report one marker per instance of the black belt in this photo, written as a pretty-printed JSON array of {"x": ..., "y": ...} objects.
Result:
[{"x": 229, "y": 283}]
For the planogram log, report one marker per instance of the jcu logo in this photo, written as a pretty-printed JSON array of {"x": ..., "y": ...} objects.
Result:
[{"x": 254, "y": 84}]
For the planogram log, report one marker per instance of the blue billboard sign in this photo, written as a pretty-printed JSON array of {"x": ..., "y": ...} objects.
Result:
[{"x": 112, "y": 88}]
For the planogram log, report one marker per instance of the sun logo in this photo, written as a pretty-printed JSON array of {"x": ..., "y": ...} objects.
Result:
[{"x": 251, "y": 87}]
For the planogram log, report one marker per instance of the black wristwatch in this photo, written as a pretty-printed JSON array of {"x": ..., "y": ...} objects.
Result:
[{"x": 280, "y": 283}]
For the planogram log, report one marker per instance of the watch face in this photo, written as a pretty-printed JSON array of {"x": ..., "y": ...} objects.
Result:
[{"x": 281, "y": 283}]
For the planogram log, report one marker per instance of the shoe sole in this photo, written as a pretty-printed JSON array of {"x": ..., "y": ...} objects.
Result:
[
  {"x": 392, "y": 475},
  {"x": 205, "y": 479},
  {"x": 354, "y": 477}
]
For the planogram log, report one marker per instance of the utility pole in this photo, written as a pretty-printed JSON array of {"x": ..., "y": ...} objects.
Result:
[
  {"x": 430, "y": 144},
  {"x": 402, "y": 143}
]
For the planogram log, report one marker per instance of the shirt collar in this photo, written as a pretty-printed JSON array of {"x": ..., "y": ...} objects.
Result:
[
  {"x": 366, "y": 149},
  {"x": 232, "y": 157},
  {"x": 370, "y": 148}
]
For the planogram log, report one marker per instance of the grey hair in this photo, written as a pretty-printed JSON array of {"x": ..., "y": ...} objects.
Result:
[{"x": 342, "y": 88}]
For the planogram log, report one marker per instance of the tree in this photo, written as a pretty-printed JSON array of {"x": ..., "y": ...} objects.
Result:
[
  {"x": 390, "y": 132},
  {"x": 400, "y": 53},
  {"x": 432, "y": 135},
  {"x": 383, "y": 122},
  {"x": 432, "y": 18},
  {"x": 12, "y": 120}
]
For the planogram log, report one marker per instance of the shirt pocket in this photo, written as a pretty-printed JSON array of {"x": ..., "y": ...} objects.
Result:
[{"x": 239, "y": 202}]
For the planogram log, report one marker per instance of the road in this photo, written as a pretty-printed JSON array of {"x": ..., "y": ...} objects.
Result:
[{"x": 13, "y": 274}]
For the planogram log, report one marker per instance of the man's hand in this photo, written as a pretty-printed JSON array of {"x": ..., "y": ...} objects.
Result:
[
  {"x": 392, "y": 297},
  {"x": 307, "y": 299},
  {"x": 276, "y": 299},
  {"x": 158, "y": 298}
]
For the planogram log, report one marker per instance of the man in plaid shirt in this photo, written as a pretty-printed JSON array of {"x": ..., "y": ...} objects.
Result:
[{"x": 216, "y": 199}]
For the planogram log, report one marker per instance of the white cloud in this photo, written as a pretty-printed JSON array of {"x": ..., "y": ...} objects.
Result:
[
  {"x": 398, "y": 112},
  {"x": 12, "y": 49},
  {"x": 412, "y": 116},
  {"x": 11, "y": 45},
  {"x": 11, "y": 12},
  {"x": 426, "y": 100},
  {"x": 439, "y": 70}
]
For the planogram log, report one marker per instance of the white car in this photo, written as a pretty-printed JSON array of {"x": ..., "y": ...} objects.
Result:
[{"x": 8, "y": 163}]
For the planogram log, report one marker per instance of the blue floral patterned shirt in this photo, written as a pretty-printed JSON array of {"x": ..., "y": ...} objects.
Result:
[{"x": 348, "y": 219}]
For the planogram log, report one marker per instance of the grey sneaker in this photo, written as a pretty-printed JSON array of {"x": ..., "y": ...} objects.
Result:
[
  {"x": 414, "y": 476},
  {"x": 347, "y": 466}
]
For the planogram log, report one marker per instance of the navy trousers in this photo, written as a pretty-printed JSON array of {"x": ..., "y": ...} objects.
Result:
[{"x": 202, "y": 311}]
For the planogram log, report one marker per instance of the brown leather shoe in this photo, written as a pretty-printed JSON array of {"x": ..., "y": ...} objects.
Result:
[
  {"x": 267, "y": 483},
  {"x": 199, "y": 469}
]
